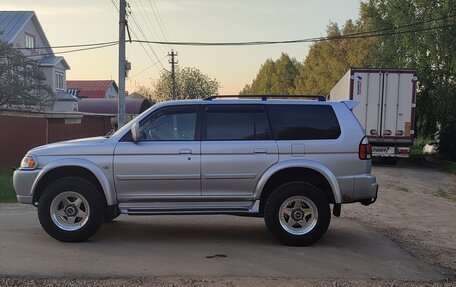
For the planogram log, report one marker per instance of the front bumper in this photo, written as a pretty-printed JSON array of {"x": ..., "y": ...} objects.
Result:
[{"x": 23, "y": 182}]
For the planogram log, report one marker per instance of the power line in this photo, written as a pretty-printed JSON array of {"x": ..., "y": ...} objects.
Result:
[
  {"x": 150, "y": 67},
  {"x": 147, "y": 23},
  {"x": 391, "y": 33},
  {"x": 402, "y": 26},
  {"x": 159, "y": 19},
  {"x": 115, "y": 5},
  {"x": 70, "y": 46},
  {"x": 77, "y": 50},
  {"x": 357, "y": 35},
  {"x": 308, "y": 40},
  {"x": 145, "y": 50},
  {"x": 142, "y": 33}
]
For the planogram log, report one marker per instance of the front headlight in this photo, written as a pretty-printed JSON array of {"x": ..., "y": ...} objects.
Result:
[{"x": 29, "y": 162}]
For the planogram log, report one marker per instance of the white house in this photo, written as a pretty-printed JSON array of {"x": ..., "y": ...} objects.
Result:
[{"x": 23, "y": 30}]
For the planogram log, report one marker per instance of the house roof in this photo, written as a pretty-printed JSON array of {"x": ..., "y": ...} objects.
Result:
[
  {"x": 90, "y": 89},
  {"x": 12, "y": 22},
  {"x": 52, "y": 61},
  {"x": 64, "y": 96},
  {"x": 110, "y": 106}
]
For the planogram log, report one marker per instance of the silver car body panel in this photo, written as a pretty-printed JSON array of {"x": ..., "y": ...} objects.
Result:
[
  {"x": 194, "y": 207},
  {"x": 102, "y": 175},
  {"x": 148, "y": 176},
  {"x": 157, "y": 168},
  {"x": 23, "y": 180},
  {"x": 300, "y": 163},
  {"x": 94, "y": 154},
  {"x": 234, "y": 167}
]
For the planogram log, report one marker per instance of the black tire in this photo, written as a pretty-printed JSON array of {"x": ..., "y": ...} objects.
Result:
[
  {"x": 287, "y": 192},
  {"x": 112, "y": 212},
  {"x": 89, "y": 192}
]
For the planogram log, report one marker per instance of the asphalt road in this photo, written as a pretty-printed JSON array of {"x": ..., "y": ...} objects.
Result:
[{"x": 200, "y": 246}]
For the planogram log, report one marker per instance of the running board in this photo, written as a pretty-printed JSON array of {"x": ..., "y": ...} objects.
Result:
[{"x": 156, "y": 208}]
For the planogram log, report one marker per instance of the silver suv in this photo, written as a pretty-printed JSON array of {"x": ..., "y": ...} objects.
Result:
[{"x": 288, "y": 161}]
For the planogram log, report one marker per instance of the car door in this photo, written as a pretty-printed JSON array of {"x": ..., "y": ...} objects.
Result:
[
  {"x": 237, "y": 148},
  {"x": 165, "y": 161}
]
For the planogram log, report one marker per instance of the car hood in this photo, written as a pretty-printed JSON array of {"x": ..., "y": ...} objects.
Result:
[{"x": 85, "y": 146}]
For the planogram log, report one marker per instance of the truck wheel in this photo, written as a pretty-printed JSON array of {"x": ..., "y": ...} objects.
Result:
[
  {"x": 297, "y": 213},
  {"x": 71, "y": 209}
]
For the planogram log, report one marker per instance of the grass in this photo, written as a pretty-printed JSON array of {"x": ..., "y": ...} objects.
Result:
[
  {"x": 448, "y": 167},
  {"x": 416, "y": 155},
  {"x": 451, "y": 196},
  {"x": 443, "y": 164},
  {"x": 417, "y": 148},
  {"x": 7, "y": 193}
]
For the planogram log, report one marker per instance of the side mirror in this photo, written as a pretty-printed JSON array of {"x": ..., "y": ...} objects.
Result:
[{"x": 135, "y": 132}]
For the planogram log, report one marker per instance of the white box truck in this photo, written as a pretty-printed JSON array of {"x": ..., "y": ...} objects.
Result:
[{"x": 386, "y": 109}]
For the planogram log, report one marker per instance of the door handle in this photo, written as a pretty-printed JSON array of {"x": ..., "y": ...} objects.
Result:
[
  {"x": 260, "y": 150},
  {"x": 185, "y": 151}
]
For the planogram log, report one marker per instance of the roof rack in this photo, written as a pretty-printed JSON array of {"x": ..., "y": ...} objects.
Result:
[{"x": 265, "y": 97}]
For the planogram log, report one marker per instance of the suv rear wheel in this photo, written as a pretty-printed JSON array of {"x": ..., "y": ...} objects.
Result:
[
  {"x": 297, "y": 213},
  {"x": 71, "y": 209}
]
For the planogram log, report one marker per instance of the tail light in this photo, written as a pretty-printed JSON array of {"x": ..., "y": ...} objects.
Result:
[
  {"x": 387, "y": 132},
  {"x": 373, "y": 132},
  {"x": 365, "y": 149}
]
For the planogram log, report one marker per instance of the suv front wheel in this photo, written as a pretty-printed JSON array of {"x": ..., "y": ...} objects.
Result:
[
  {"x": 297, "y": 213},
  {"x": 71, "y": 209}
]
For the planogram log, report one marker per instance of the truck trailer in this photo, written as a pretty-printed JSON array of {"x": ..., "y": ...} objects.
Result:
[{"x": 386, "y": 110}]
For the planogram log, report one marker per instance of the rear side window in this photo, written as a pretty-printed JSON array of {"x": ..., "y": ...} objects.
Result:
[
  {"x": 237, "y": 124},
  {"x": 304, "y": 122}
]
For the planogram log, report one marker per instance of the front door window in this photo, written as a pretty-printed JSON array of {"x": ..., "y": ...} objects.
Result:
[{"x": 171, "y": 125}]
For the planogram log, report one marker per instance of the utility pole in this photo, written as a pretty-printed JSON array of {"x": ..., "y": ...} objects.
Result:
[
  {"x": 122, "y": 63},
  {"x": 173, "y": 75}
]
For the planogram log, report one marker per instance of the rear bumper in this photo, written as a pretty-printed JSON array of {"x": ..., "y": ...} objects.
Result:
[{"x": 365, "y": 188}]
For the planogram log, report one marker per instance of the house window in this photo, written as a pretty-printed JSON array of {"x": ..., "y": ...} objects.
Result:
[
  {"x": 59, "y": 81},
  {"x": 30, "y": 42}
]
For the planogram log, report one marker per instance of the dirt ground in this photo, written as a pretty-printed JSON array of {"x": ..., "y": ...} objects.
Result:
[
  {"x": 411, "y": 211},
  {"x": 214, "y": 282},
  {"x": 415, "y": 208}
]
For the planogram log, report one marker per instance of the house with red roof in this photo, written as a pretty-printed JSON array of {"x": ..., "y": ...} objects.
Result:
[{"x": 93, "y": 89}]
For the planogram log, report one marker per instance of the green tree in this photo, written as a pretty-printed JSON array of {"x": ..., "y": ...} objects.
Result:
[
  {"x": 328, "y": 61},
  {"x": 275, "y": 77},
  {"x": 431, "y": 52},
  {"x": 22, "y": 82},
  {"x": 191, "y": 83}
]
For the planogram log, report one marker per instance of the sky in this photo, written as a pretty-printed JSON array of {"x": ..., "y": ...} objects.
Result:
[{"x": 68, "y": 22}]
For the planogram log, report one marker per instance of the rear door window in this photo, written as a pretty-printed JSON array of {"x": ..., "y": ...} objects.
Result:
[
  {"x": 237, "y": 123},
  {"x": 304, "y": 122}
]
